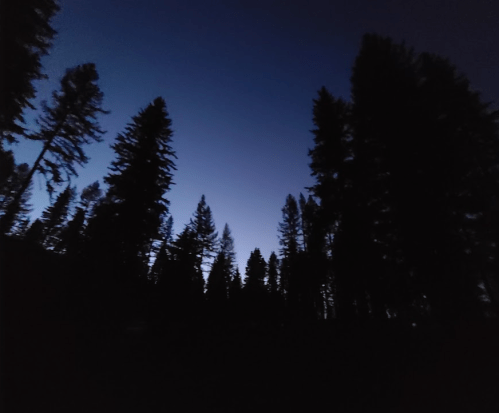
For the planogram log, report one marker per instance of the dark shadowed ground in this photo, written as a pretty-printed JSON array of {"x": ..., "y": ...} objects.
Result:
[{"x": 58, "y": 359}]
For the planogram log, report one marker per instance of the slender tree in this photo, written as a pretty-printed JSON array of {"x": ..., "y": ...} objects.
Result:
[
  {"x": 203, "y": 226},
  {"x": 64, "y": 128},
  {"x": 55, "y": 216},
  {"x": 289, "y": 239},
  {"x": 272, "y": 274},
  {"x": 227, "y": 247},
  {"x": 8, "y": 191},
  {"x": 235, "y": 286}
]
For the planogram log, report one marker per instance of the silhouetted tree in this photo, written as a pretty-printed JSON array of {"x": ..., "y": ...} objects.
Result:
[
  {"x": 54, "y": 217},
  {"x": 35, "y": 233},
  {"x": 406, "y": 182},
  {"x": 64, "y": 129},
  {"x": 227, "y": 248},
  {"x": 272, "y": 274},
  {"x": 163, "y": 253},
  {"x": 235, "y": 286},
  {"x": 90, "y": 195},
  {"x": 256, "y": 271},
  {"x": 71, "y": 239},
  {"x": 217, "y": 286},
  {"x": 72, "y": 235},
  {"x": 8, "y": 190},
  {"x": 25, "y": 36},
  {"x": 185, "y": 280},
  {"x": 289, "y": 239},
  {"x": 129, "y": 219},
  {"x": 203, "y": 227}
]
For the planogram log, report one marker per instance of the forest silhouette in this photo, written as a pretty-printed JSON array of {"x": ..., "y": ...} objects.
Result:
[{"x": 383, "y": 296}]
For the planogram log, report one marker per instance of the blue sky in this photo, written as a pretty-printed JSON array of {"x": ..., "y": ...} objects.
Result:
[{"x": 238, "y": 78}]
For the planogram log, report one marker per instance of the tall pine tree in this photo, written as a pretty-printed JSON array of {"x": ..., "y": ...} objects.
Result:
[
  {"x": 128, "y": 220},
  {"x": 203, "y": 226},
  {"x": 65, "y": 127}
]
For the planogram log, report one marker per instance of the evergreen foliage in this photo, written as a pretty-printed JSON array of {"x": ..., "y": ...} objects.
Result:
[
  {"x": 25, "y": 37},
  {"x": 227, "y": 248},
  {"x": 256, "y": 271},
  {"x": 8, "y": 191},
  {"x": 127, "y": 222},
  {"x": 203, "y": 226},
  {"x": 405, "y": 202},
  {"x": 217, "y": 286},
  {"x": 54, "y": 217},
  {"x": 64, "y": 128},
  {"x": 273, "y": 274}
]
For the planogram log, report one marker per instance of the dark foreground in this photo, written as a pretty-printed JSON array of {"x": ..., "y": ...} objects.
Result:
[
  {"x": 60, "y": 353},
  {"x": 53, "y": 366}
]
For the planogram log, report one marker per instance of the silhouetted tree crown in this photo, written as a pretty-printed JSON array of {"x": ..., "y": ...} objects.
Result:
[
  {"x": 54, "y": 217},
  {"x": 203, "y": 226},
  {"x": 273, "y": 274},
  {"x": 65, "y": 127},
  {"x": 256, "y": 271},
  {"x": 25, "y": 36},
  {"x": 129, "y": 219}
]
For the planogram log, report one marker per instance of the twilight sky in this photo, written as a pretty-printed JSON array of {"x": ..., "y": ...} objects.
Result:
[{"x": 238, "y": 78}]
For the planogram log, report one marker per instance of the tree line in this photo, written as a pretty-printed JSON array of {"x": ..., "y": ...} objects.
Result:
[{"x": 401, "y": 221}]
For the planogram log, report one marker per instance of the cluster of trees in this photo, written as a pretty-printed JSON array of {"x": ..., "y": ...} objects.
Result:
[{"x": 401, "y": 222}]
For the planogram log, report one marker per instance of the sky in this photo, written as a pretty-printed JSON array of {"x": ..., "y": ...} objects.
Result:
[{"x": 239, "y": 79}]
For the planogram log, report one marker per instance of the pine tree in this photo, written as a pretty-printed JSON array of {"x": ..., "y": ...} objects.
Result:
[
  {"x": 163, "y": 254},
  {"x": 127, "y": 222},
  {"x": 54, "y": 217},
  {"x": 204, "y": 227},
  {"x": 71, "y": 239},
  {"x": 185, "y": 279},
  {"x": 25, "y": 36},
  {"x": 256, "y": 271},
  {"x": 272, "y": 274},
  {"x": 90, "y": 195},
  {"x": 235, "y": 286},
  {"x": 289, "y": 230},
  {"x": 8, "y": 192},
  {"x": 217, "y": 286},
  {"x": 72, "y": 235},
  {"x": 227, "y": 248},
  {"x": 35, "y": 233},
  {"x": 64, "y": 128}
]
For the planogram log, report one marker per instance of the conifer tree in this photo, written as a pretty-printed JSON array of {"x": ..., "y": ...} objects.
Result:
[
  {"x": 65, "y": 127},
  {"x": 35, "y": 233},
  {"x": 163, "y": 253},
  {"x": 54, "y": 217},
  {"x": 185, "y": 279},
  {"x": 25, "y": 36},
  {"x": 72, "y": 235},
  {"x": 226, "y": 243},
  {"x": 8, "y": 191},
  {"x": 289, "y": 239},
  {"x": 235, "y": 286},
  {"x": 256, "y": 271},
  {"x": 128, "y": 220},
  {"x": 217, "y": 286},
  {"x": 90, "y": 195},
  {"x": 203, "y": 227},
  {"x": 272, "y": 274}
]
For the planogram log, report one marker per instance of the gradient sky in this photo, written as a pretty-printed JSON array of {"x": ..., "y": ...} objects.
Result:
[{"x": 238, "y": 78}]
